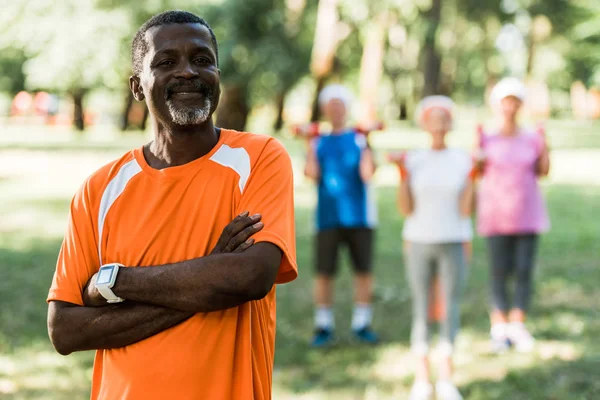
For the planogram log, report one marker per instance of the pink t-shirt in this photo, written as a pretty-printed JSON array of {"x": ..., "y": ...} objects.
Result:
[{"x": 510, "y": 201}]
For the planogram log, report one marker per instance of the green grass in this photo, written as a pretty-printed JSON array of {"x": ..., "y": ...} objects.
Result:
[{"x": 34, "y": 203}]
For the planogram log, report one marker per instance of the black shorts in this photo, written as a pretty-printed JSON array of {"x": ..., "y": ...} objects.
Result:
[{"x": 360, "y": 245}]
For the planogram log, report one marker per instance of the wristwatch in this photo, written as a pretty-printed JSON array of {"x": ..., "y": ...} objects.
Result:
[{"x": 107, "y": 276}]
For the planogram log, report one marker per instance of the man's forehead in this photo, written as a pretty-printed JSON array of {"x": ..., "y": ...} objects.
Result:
[{"x": 168, "y": 36}]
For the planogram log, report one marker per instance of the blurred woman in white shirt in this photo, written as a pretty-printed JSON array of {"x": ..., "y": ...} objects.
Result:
[{"x": 436, "y": 197}]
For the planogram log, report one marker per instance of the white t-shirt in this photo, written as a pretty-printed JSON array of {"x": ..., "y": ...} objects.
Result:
[{"x": 437, "y": 179}]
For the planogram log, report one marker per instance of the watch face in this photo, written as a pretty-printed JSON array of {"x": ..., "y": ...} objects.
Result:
[{"x": 104, "y": 275}]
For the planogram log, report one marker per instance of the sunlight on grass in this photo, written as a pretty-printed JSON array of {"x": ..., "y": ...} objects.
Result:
[
  {"x": 35, "y": 372},
  {"x": 38, "y": 180}
]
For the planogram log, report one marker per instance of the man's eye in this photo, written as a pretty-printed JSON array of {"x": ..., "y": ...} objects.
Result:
[
  {"x": 165, "y": 63},
  {"x": 202, "y": 60}
]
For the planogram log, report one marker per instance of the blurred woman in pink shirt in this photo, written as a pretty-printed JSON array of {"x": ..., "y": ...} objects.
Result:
[{"x": 511, "y": 213}]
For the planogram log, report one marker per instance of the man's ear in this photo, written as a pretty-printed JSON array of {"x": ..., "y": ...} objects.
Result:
[{"x": 136, "y": 88}]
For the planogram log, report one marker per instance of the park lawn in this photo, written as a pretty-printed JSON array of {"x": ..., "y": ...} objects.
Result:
[{"x": 37, "y": 180}]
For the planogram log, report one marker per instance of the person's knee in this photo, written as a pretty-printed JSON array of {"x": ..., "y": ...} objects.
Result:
[
  {"x": 523, "y": 272},
  {"x": 326, "y": 275},
  {"x": 363, "y": 274},
  {"x": 362, "y": 269}
]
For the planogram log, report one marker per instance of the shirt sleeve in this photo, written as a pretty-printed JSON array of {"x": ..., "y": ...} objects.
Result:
[
  {"x": 361, "y": 141},
  {"x": 78, "y": 257},
  {"x": 270, "y": 192}
]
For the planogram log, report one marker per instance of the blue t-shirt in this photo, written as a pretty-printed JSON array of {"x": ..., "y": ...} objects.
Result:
[{"x": 344, "y": 200}]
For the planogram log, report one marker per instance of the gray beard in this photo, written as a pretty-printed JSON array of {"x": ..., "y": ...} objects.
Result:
[{"x": 188, "y": 115}]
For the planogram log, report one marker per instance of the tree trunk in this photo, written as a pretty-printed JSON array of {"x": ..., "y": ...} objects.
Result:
[
  {"x": 78, "y": 113},
  {"x": 233, "y": 109},
  {"x": 432, "y": 59},
  {"x": 125, "y": 114},
  {"x": 280, "y": 108},
  {"x": 325, "y": 41},
  {"x": 531, "y": 50},
  {"x": 403, "y": 116},
  {"x": 323, "y": 51},
  {"x": 316, "y": 110},
  {"x": 371, "y": 68}
]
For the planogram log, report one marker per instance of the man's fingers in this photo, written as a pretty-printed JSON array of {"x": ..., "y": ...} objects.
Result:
[
  {"x": 244, "y": 235},
  {"x": 244, "y": 246},
  {"x": 237, "y": 232},
  {"x": 236, "y": 227},
  {"x": 233, "y": 228}
]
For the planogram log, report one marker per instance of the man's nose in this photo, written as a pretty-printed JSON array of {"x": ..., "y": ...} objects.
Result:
[{"x": 186, "y": 70}]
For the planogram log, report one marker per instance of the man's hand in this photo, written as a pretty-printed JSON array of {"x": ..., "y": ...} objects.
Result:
[
  {"x": 237, "y": 235},
  {"x": 91, "y": 296}
]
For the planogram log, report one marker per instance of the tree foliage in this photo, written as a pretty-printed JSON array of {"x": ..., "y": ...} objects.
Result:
[{"x": 75, "y": 46}]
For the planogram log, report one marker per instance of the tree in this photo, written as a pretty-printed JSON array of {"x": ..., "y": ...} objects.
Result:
[
  {"x": 260, "y": 58},
  {"x": 73, "y": 47},
  {"x": 12, "y": 77},
  {"x": 263, "y": 48},
  {"x": 431, "y": 58},
  {"x": 583, "y": 60}
]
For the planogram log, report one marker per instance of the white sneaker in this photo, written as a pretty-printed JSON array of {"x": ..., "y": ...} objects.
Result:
[
  {"x": 446, "y": 390},
  {"x": 499, "y": 338},
  {"x": 421, "y": 391},
  {"x": 520, "y": 337}
]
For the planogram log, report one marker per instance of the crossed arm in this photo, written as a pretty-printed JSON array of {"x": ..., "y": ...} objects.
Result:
[{"x": 158, "y": 298}]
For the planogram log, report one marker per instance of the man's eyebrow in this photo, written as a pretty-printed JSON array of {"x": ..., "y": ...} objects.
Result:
[
  {"x": 164, "y": 53},
  {"x": 205, "y": 49}
]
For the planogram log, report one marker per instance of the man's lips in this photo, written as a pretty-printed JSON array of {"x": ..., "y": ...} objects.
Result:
[{"x": 186, "y": 93}]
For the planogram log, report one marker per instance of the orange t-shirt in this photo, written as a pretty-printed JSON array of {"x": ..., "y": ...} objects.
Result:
[{"x": 130, "y": 213}]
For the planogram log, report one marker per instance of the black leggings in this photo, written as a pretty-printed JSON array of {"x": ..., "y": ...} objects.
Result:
[{"x": 511, "y": 255}]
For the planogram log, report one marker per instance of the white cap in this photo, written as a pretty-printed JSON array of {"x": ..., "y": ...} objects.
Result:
[
  {"x": 507, "y": 87},
  {"x": 430, "y": 102},
  {"x": 336, "y": 91}
]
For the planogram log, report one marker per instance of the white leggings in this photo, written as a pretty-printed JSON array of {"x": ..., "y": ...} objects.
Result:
[{"x": 422, "y": 261}]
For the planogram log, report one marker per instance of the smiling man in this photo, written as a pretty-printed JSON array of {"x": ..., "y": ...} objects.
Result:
[{"x": 207, "y": 216}]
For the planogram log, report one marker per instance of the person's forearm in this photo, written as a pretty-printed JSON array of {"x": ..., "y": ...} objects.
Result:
[
  {"x": 405, "y": 203},
  {"x": 367, "y": 166},
  {"x": 312, "y": 170},
  {"x": 467, "y": 199},
  {"x": 543, "y": 164},
  {"x": 75, "y": 328},
  {"x": 204, "y": 284}
]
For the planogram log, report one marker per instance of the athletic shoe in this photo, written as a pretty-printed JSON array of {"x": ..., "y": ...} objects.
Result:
[
  {"x": 446, "y": 390},
  {"x": 499, "y": 338},
  {"x": 520, "y": 337},
  {"x": 322, "y": 337},
  {"x": 366, "y": 335},
  {"x": 421, "y": 391}
]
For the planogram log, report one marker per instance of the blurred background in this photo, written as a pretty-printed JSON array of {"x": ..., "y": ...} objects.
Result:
[{"x": 65, "y": 110}]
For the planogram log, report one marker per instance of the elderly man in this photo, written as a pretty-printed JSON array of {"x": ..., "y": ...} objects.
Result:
[{"x": 171, "y": 254}]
